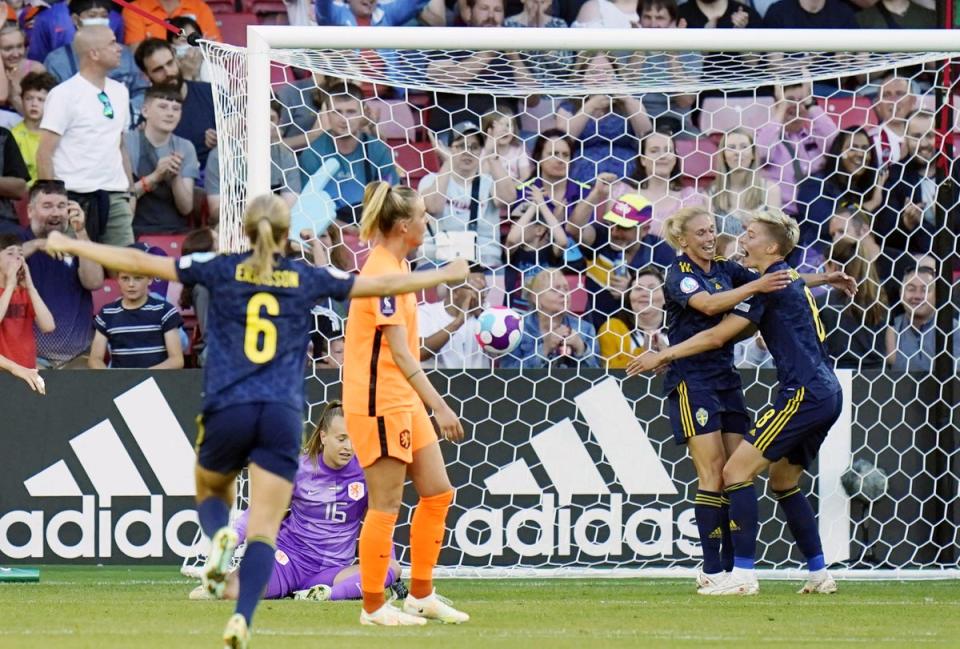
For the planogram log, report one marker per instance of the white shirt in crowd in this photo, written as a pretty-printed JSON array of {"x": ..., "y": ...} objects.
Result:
[
  {"x": 88, "y": 155},
  {"x": 456, "y": 214},
  {"x": 461, "y": 351}
]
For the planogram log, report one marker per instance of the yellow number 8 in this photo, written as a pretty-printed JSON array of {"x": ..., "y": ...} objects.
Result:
[
  {"x": 821, "y": 332},
  {"x": 261, "y": 350},
  {"x": 765, "y": 418}
]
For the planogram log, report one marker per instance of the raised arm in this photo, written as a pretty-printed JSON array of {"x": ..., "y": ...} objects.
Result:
[
  {"x": 400, "y": 283},
  {"x": 713, "y": 338},
  {"x": 126, "y": 260}
]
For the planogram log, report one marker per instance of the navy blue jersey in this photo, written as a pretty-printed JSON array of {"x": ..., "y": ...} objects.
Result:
[
  {"x": 135, "y": 337},
  {"x": 712, "y": 369},
  {"x": 257, "y": 333},
  {"x": 790, "y": 325}
]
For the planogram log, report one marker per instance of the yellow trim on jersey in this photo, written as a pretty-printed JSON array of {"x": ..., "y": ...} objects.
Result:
[
  {"x": 686, "y": 414},
  {"x": 685, "y": 267},
  {"x": 201, "y": 433},
  {"x": 780, "y": 421}
]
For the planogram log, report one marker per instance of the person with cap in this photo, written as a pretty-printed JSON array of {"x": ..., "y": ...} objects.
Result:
[
  {"x": 616, "y": 247},
  {"x": 464, "y": 202},
  {"x": 62, "y": 63}
]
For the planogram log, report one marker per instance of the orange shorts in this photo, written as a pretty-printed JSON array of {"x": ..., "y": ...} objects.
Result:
[{"x": 395, "y": 434}]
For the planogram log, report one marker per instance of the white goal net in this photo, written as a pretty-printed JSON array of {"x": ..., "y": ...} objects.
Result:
[{"x": 568, "y": 465}]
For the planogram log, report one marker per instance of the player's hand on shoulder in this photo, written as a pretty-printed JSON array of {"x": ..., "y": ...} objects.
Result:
[
  {"x": 841, "y": 281},
  {"x": 645, "y": 362},
  {"x": 774, "y": 281}
]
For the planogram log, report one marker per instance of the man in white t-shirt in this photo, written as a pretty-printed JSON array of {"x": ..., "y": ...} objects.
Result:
[
  {"x": 447, "y": 327},
  {"x": 81, "y": 138},
  {"x": 461, "y": 199},
  {"x": 893, "y": 107}
]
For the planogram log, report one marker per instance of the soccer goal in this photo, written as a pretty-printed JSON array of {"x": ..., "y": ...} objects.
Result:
[{"x": 571, "y": 469}]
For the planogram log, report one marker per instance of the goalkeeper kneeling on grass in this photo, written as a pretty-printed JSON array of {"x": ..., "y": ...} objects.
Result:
[{"x": 316, "y": 550}]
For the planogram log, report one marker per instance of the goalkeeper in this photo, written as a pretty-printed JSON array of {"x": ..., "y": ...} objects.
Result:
[{"x": 317, "y": 544}]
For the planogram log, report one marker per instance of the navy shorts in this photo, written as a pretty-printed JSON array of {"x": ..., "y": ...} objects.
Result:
[
  {"x": 796, "y": 425},
  {"x": 267, "y": 434},
  {"x": 696, "y": 412}
]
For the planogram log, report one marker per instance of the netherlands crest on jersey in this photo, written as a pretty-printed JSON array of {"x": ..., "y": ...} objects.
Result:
[{"x": 356, "y": 490}]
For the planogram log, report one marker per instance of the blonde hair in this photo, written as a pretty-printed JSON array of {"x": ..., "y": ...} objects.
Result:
[
  {"x": 383, "y": 206},
  {"x": 870, "y": 304},
  {"x": 540, "y": 282},
  {"x": 675, "y": 225},
  {"x": 722, "y": 199},
  {"x": 266, "y": 223},
  {"x": 782, "y": 229}
]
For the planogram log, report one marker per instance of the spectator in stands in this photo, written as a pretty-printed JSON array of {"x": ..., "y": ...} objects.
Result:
[
  {"x": 84, "y": 121},
  {"x": 138, "y": 28},
  {"x": 64, "y": 284},
  {"x": 639, "y": 326},
  {"x": 301, "y": 101},
  {"x": 464, "y": 202},
  {"x": 61, "y": 62},
  {"x": 608, "y": 14},
  {"x": 855, "y": 327},
  {"x": 668, "y": 111},
  {"x": 448, "y": 327},
  {"x": 897, "y": 14},
  {"x": 21, "y": 306},
  {"x": 810, "y": 14},
  {"x": 851, "y": 176},
  {"x": 893, "y": 107},
  {"x": 502, "y": 144},
  {"x": 16, "y": 65},
  {"x": 139, "y": 331},
  {"x": 739, "y": 188},
  {"x": 13, "y": 181},
  {"x": 620, "y": 243},
  {"x": 360, "y": 157},
  {"x": 552, "y": 336},
  {"x": 854, "y": 225},
  {"x": 606, "y": 127},
  {"x": 657, "y": 178},
  {"x": 193, "y": 66},
  {"x": 907, "y": 222},
  {"x": 55, "y": 27},
  {"x": 538, "y": 13},
  {"x": 536, "y": 240},
  {"x": 793, "y": 145},
  {"x": 157, "y": 59},
  {"x": 326, "y": 339},
  {"x": 724, "y": 14},
  {"x": 34, "y": 89},
  {"x": 197, "y": 297},
  {"x": 165, "y": 166},
  {"x": 367, "y": 13},
  {"x": 911, "y": 337},
  {"x": 466, "y": 68}
]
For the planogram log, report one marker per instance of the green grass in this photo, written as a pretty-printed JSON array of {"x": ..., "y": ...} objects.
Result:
[{"x": 140, "y": 608}]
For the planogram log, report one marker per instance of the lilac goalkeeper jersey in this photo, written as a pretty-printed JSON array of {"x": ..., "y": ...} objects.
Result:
[{"x": 326, "y": 511}]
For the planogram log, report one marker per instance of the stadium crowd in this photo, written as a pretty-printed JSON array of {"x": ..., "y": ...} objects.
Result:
[{"x": 109, "y": 133}]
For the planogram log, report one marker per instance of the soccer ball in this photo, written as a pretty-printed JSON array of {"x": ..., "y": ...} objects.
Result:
[{"x": 499, "y": 330}]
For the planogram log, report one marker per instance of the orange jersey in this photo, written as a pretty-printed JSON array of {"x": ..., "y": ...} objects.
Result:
[{"x": 372, "y": 382}]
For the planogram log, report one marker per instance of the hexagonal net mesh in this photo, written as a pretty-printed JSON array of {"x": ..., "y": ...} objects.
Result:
[{"x": 570, "y": 466}]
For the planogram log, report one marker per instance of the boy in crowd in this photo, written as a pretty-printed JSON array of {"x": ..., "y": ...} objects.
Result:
[
  {"x": 20, "y": 306},
  {"x": 33, "y": 89}
]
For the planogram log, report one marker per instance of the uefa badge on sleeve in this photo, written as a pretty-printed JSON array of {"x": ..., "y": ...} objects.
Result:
[
  {"x": 688, "y": 285},
  {"x": 356, "y": 490},
  {"x": 388, "y": 305}
]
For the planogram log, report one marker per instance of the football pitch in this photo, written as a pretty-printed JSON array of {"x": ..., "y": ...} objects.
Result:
[{"x": 147, "y": 607}]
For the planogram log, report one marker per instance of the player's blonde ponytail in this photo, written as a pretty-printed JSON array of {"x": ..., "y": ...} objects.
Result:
[
  {"x": 266, "y": 223},
  {"x": 383, "y": 206},
  {"x": 675, "y": 225},
  {"x": 782, "y": 229}
]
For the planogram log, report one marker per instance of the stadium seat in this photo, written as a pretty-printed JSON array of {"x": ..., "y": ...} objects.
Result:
[
  {"x": 539, "y": 118},
  {"x": 233, "y": 27},
  {"x": 722, "y": 114},
  {"x": 395, "y": 119},
  {"x": 266, "y": 8},
  {"x": 579, "y": 297},
  {"x": 850, "y": 113},
  {"x": 696, "y": 158},
  {"x": 417, "y": 159},
  {"x": 219, "y": 7},
  {"x": 356, "y": 249},
  {"x": 171, "y": 244},
  {"x": 109, "y": 292}
]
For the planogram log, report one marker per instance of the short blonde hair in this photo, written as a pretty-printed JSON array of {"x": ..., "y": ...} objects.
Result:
[
  {"x": 676, "y": 224},
  {"x": 782, "y": 229}
]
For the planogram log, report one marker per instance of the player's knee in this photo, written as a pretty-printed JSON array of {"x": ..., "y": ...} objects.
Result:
[
  {"x": 710, "y": 474},
  {"x": 388, "y": 503},
  {"x": 779, "y": 482},
  {"x": 732, "y": 474}
]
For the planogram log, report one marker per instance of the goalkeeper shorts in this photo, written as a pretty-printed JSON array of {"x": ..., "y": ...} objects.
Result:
[
  {"x": 795, "y": 426},
  {"x": 701, "y": 411}
]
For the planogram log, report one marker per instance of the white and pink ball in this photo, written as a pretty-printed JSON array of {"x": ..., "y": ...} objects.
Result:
[{"x": 499, "y": 330}]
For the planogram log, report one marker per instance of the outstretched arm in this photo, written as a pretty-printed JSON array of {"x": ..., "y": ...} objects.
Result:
[
  {"x": 724, "y": 301},
  {"x": 837, "y": 279},
  {"x": 713, "y": 338},
  {"x": 400, "y": 283},
  {"x": 120, "y": 259}
]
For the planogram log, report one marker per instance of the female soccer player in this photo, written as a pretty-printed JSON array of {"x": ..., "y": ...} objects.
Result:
[
  {"x": 258, "y": 326},
  {"x": 386, "y": 396},
  {"x": 788, "y": 435},
  {"x": 317, "y": 543}
]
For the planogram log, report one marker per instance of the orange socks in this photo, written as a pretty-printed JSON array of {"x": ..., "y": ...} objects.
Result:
[
  {"x": 426, "y": 539},
  {"x": 376, "y": 548}
]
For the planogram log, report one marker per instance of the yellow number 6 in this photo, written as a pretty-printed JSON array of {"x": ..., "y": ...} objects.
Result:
[{"x": 261, "y": 350}]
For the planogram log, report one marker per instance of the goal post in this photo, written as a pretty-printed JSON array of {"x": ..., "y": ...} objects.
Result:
[{"x": 555, "y": 478}]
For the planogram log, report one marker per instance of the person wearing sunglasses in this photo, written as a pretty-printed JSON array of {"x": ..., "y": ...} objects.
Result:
[{"x": 81, "y": 138}]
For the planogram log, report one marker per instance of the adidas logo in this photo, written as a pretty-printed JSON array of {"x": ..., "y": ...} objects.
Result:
[
  {"x": 717, "y": 533},
  {"x": 113, "y": 473},
  {"x": 561, "y": 526}
]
